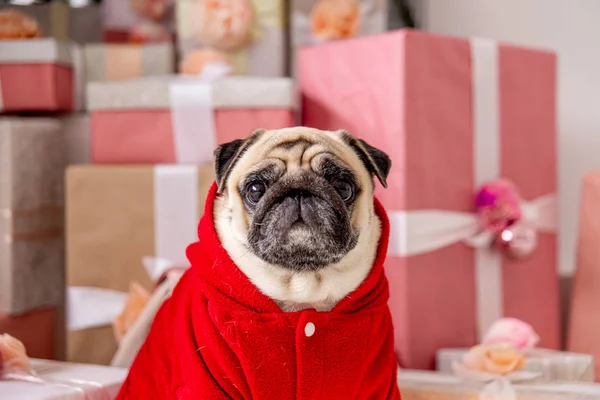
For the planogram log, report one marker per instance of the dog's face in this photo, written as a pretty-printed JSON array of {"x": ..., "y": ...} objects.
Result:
[{"x": 299, "y": 198}]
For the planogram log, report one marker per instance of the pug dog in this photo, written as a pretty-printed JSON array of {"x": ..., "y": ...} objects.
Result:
[
  {"x": 296, "y": 212},
  {"x": 286, "y": 282}
]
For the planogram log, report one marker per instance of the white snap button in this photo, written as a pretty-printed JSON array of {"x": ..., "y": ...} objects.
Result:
[{"x": 309, "y": 329}]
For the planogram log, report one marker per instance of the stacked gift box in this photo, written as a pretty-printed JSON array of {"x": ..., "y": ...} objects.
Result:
[{"x": 464, "y": 121}]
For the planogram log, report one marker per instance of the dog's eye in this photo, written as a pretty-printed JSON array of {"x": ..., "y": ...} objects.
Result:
[
  {"x": 255, "y": 192},
  {"x": 344, "y": 189}
]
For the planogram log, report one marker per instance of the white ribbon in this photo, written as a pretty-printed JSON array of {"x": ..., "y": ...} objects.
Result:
[
  {"x": 175, "y": 221},
  {"x": 423, "y": 231},
  {"x": 192, "y": 114}
]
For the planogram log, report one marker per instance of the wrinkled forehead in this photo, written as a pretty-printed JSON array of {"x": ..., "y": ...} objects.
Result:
[{"x": 294, "y": 148}]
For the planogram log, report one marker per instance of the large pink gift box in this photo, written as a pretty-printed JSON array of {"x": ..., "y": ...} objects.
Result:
[
  {"x": 40, "y": 75},
  {"x": 584, "y": 324},
  {"x": 181, "y": 119},
  {"x": 452, "y": 114}
]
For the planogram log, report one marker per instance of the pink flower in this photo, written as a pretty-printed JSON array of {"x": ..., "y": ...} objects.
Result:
[
  {"x": 498, "y": 205},
  {"x": 335, "y": 19},
  {"x": 497, "y": 359},
  {"x": 512, "y": 331},
  {"x": 225, "y": 25},
  {"x": 13, "y": 355}
]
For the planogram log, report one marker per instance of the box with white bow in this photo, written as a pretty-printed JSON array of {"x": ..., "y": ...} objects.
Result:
[
  {"x": 118, "y": 217},
  {"x": 182, "y": 119},
  {"x": 470, "y": 126},
  {"x": 511, "y": 343}
]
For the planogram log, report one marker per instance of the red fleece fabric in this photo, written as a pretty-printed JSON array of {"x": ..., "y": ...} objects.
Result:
[{"x": 219, "y": 337}]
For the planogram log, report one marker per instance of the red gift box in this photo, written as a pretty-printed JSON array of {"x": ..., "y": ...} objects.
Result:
[
  {"x": 452, "y": 114},
  {"x": 39, "y": 75}
]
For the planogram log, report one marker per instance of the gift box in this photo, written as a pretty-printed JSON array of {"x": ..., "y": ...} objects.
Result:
[
  {"x": 552, "y": 365},
  {"x": 76, "y": 128},
  {"x": 113, "y": 62},
  {"x": 116, "y": 216},
  {"x": 181, "y": 119},
  {"x": 31, "y": 214},
  {"x": 65, "y": 381},
  {"x": 250, "y": 34},
  {"x": 39, "y": 330},
  {"x": 422, "y": 385},
  {"x": 453, "y": 114},
  {"x": 40, "y": 75},
  {"x": 584, "y": 322},
  {"x": 61, "y": 22}
]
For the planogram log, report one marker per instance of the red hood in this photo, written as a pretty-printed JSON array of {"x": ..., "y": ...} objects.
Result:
[{"x": 214, "y": 264}]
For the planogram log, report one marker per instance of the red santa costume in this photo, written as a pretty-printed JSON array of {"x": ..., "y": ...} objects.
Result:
[{"x": 219, "y": 337}]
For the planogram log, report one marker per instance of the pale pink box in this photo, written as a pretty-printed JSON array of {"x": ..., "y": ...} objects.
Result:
[
  {"x": 584, "y": 323},
  {"x": 181, "y": 119},
  {"x": 452, "y": 114},
  {"x": 40, "y": 75}
]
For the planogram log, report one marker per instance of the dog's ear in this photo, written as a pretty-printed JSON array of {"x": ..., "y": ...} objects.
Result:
[
  {"x": 227, "y": 154},
  {"x": 376, "y": 161}
]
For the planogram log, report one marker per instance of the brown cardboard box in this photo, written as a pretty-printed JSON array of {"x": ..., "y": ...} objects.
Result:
[
  {"x": 116, "y": 215},
  {"x": 31, "y": 214}
]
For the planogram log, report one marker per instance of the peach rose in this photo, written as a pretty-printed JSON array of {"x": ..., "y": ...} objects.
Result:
[
  {"x": 149, "y": 32},
  {"x": 223, "y": 24},
  {"x": 517, "y": 333},
  {"x": 136, "y": 302},
  {"x": 13, "y": 354},
  {"x": 335, "y": 19},
  {"x": 194, "y": 62},
  {"x": 152, "y": 9},
  {"x": 16, "y": 25},
  {"x": 494, "y": 359}
]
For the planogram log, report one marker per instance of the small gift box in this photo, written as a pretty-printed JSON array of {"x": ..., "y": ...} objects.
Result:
[
  {"x": 59, "y": 21},
  {"x": 551, "y": 365},
  {"x": 146, "y": 212},
  {"x": 113, "y": 62},
  {"x": 584, "y": 323},
  {"x": 471, "y": 127},
  {"x": 31, "y": 214},
  {"x": 40, "y": 75},
  {"x": 249, "y": 34},
  {"x": 180, "y": 119},
  {"x": 422, "y": 385}
]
